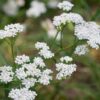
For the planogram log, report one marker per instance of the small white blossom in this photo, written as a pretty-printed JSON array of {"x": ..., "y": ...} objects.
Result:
[
  {"x": 11, "y": 8},
  {"x": 44, "y": 50},
  {"x": 67, "y": 17},
  {"x": 41, "y": 45},
  {"x": 46, "y": 53},
  {"x": 20, "y": 73},
  {"x": 90, "y": 32},
  {"x": 22, "y": 94},
  {"x": 22, "y": 59},
  {"x": 45, "y": 77},
  {"x": 65, "y": 69},
  {"x": 66, "y": 59},
  {"x": 65, "y": 5},
  {"x": 39, "y": 62},
  {"x": 11, "y": 30},
  {"x": 6, "y": 74},
  {"x": 3, "y": 34},
  {"x": 14, "y": 28},
  {"x": 81, "y": 50},
  {"x": 31, "y": 69},
  {"x": 29, "y": 82},
  {"x": 37, "y": 8}
]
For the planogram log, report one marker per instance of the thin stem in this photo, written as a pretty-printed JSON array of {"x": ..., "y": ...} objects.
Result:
[
  {"x": 74, "y": 46},
  {"x": 61, "y": 40},
  {"x": 12, "y": 51},
  {"x": 55, "y": 38},
  {"x": 66, "y": 48}
]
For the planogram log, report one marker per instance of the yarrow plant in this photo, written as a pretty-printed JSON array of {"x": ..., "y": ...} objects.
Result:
[{"x": 29, "y": 72}]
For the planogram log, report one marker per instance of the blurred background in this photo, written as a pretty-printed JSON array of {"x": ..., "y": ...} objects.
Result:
[{"x": 85, "y": 82}]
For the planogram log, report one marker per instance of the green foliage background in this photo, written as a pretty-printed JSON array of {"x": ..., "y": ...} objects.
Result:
[{"x": 85, "y": 82}]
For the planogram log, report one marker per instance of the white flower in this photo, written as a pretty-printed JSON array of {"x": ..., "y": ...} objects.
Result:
[
  {"x": 66, "y": 59},
  {"x": 65, "y": 5},
  {"x": 14, "y": 28},
  {"x": 39, "y": 62},
  {"x": 11, "y": 8},
  {"x": 3, "y": 34},
  {"x": 11, "y": 30},
  {"x": 32, "y": 70},
  {"x": 81, "y": 50},
  {"x": 44, "y": 50},
  {"x": 37, "y": 8},
  {"x": 22, "y": 94},
  {"x": 65, "y": 69},
  {"x": 6, "y": 74},
  {"x": 20, "y": 73},
  {"x": 46, "y": 53},
  {"x": 67, "y": 17},
  {"x": 28, "y": 70},
  {"x": 22, "y": 59},
  {"x": 29, "y": 82},
  {"x": 89, "y": 31},
  {"x": 45, "y": 77},
  {"x": 41, "y": 45}
]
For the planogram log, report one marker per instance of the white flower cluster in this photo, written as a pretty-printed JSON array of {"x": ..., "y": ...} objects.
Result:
[
  {"x": 64, "y": 68},
  {"x": 67, "y": 17},
  {"x": 11, "y": 30},
  {"x": 39, "y": 62},
  {"x": 81, "y": 50},
  {"x": 37, "y": 8},
  {"x": 12, "y": 6},
  {"x": 30, "y": 73},
  {"x": 89, "y": 31},
  {"x": 45, "y": 77},
  {"x": 22, "y": 94},
  {"x": 6, "y": 74},
  {"x": 65, "y": 5},
  {"x": 62, "y": 19},
  {"x": 22, "y": 59},
  {"x": 44, "y": 50}
]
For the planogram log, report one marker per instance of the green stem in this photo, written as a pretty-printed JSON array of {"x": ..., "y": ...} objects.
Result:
[
  {"x": 6, "y": 86},
  {"x": 74, "y": 46},
  {"x": 55, "y": 38},
  {"x": 56, "y": 91},
  {"x": 61, "y": 40},
  {"x": 66, "y": 48},
  {"x": 12, "y": 51}
]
